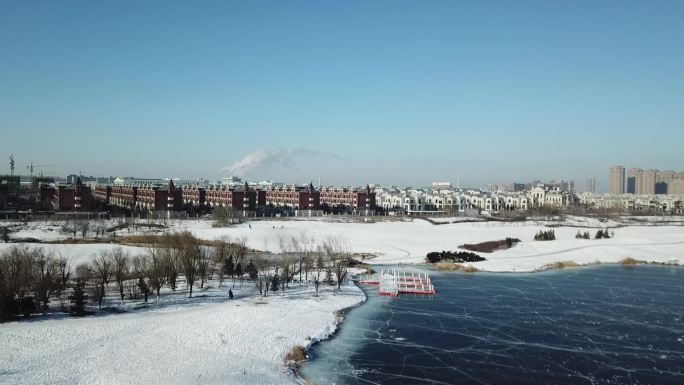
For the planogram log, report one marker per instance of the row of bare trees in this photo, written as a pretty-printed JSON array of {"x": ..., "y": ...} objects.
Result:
[
  {"x": 314, "y": 263},
  {"x": 167, "y": 258},
  {"x": 29, "y": 277}
]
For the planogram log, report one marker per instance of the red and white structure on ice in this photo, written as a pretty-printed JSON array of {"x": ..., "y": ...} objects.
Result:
[{"x": 391, "y": 282}]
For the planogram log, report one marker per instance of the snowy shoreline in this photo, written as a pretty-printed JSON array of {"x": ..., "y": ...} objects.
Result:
[{"x": 340, "y": 316}]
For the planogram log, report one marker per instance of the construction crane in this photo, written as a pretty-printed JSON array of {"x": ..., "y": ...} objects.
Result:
[
  {"x": 12, "y": 165},
  {"x": 31, "y": 166}
]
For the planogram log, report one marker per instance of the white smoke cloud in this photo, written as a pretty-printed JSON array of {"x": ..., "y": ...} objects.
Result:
[{"x": 267, "y": 158}]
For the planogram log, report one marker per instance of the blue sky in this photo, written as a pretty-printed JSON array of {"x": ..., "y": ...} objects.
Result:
[{"x": 402, "y": 92}]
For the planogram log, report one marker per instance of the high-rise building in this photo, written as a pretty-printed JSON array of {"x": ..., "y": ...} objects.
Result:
[
  {"x": 616, "y": 180},
  {"x": 632, "y": 175},
  {"x": 591, "y": 185},
  {"x": 652, "y": 181},
  {"x": 645, "y": 182}
]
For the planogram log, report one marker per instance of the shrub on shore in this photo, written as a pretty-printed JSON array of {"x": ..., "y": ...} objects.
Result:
[
  {"x": 490, "y": 246},
  {"x": 453, "y": 256},
  {"x": 296, "y": 355},
  {"x": 450, "y": 266},
  {"x": 629, "y": 261},
  {"x": 560, "y": 265}
]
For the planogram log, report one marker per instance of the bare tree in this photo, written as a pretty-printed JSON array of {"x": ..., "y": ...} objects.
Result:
[
  {"x": 45, "y": 284},
  {"x": 83, "y": 227},
  {"x": 220, "y": 256},
  {"x": 318, "y": 268},
  {"x": 170, "y": 248},
  {"x": 120, "y": 269},
  {"x": 338, "y": 255},
  {"x": 222, "y": 215},
  {"x": 287, "y": 261},
  {"x": 62, "y": 271},
  {"x": 141, "y": 268},
  {"x": 101, "y": 268},
  {"x": 259, "y": 266},
  {"x": 189, "y": 258},
  {"x": 83, "y": 272},
  {"x": 70, "y": 226},
  {"x": 203, "y": 266},
  {"x": 156, "y": 269}
]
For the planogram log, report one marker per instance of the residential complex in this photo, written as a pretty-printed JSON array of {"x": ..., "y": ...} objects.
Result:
[{"x": 645, "y": 190}]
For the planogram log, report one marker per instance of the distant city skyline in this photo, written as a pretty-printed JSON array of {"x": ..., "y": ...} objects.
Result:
[
  {"x": 263, "y": 162},
  {"x": 389, "y": 92}
]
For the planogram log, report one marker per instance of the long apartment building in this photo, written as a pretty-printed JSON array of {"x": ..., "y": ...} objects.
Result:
[
  {"x": 166, "y": 197},
  {"x": 194, "y": 196},
  {"x": 295, "y": 197},
  {"x": 237, "y": 198},
  {"x": 356, "y": 199}
]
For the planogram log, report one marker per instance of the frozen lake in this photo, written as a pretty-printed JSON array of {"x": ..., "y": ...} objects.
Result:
[{"x": 599, "y": 325}]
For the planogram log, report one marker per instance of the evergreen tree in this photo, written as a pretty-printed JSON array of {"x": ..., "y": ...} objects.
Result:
[
  {"x": 143, "y": 287},
  {"x": 27, "y": 306},
  {"x": 229, "y": 268},
  {"x": 275, "y": 280},
  {"x": 252, "y": 270},
  {"x": 78, "y": 299},
  {"x": 239, "y": 272},
  {"x": 173, "y": 276}
]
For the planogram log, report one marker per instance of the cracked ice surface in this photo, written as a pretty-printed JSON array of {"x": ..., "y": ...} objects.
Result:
[{"x": 599, "y": 325}]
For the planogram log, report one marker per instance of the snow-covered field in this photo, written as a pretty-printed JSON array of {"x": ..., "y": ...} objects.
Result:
[
  {"x": 242, "y": 341},
  {"x": 407, "y": 242}
]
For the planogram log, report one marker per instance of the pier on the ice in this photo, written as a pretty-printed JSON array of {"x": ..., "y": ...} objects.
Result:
[{"x": 392, "y": 282}]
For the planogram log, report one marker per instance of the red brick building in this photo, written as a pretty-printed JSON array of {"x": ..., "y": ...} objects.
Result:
[
  {"x": 245, "y": 198},
  {"x": 123, "y": 196},
  {"x": 160, "y": 198},
  {"x": 4, "y": 195},
  {"x": 74, "y": 197},
  {"x": 103, "y": 193},
  {"x": 46, "y": 198},
  {"x": 298, "y": 198},
  {"x": 356, "y": 199},
  {"x": 194, "y": 196}
]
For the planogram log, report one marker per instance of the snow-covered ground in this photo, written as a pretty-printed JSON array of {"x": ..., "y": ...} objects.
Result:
[
  {"x": 407, "y": 242},
  {"x": 242, "y": 341}
]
